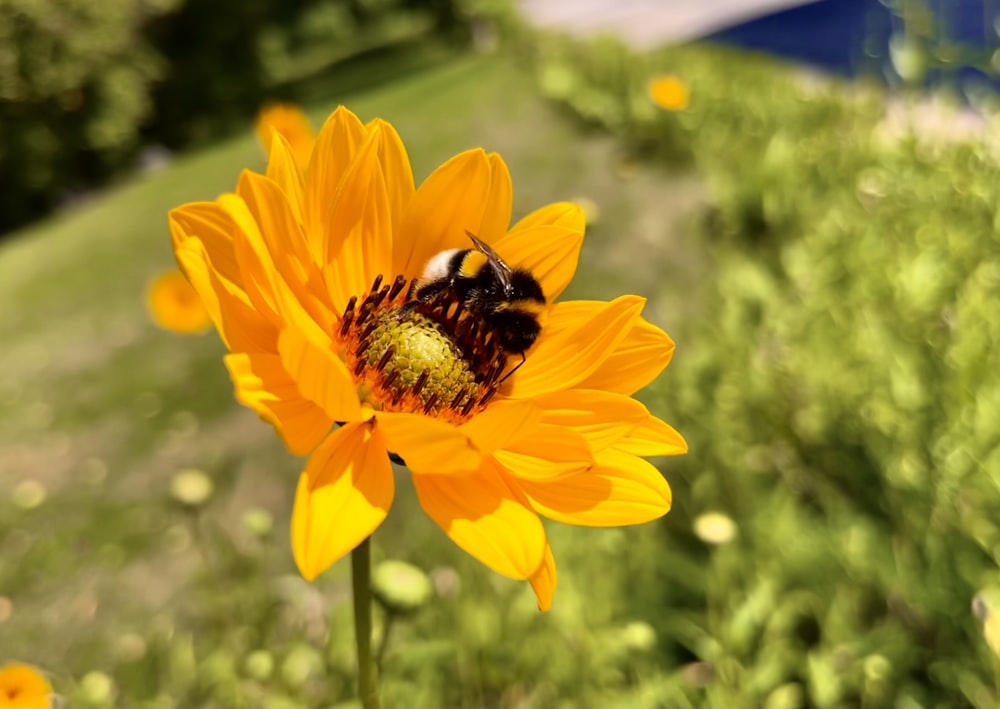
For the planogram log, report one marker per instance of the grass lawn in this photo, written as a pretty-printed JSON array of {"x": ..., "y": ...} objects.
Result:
[{"x": 101, "y": 570}]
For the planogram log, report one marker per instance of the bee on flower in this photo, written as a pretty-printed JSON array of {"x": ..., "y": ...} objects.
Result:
[{"x": 366, "y": 316}]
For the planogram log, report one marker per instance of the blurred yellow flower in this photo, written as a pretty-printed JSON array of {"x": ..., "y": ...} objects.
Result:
[
  {"x": 291, "y": 123},
  {"x": 23, "y": 687},
  {"x": 174, "y": 304},
  {"x": 308, "y": 278},
  {"x": 669, "y": 92}
]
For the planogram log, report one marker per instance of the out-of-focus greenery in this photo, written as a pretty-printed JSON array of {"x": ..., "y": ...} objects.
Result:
[
  {"x": 840, "y": 392},
  {"x": 74, "y": 78},
  {"x": 84, "y": 85}
]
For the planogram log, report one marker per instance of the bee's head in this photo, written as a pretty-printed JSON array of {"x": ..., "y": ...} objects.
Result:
[{"x": 525, "y": 288}]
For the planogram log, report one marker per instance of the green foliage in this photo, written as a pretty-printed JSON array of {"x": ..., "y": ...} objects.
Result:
[
  {"x": 605, "y": 85},
  {"x": 851, "y": 385},
  {"x": 83, "y": 85},
  {"x": 74, "y": 91},
  {"x": 839, "y": 395},
  {"x": 258, "y": 49}
]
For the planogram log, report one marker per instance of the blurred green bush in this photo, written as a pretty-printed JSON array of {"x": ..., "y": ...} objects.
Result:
[
  {"x": 74, "y": 78},
  {"x": 84, "y": 85},
  {"x": 840, "y": 396}
]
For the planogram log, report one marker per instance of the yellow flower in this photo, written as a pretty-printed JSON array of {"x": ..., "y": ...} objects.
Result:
[
  {"x": 291, "y": 123},
  {"x": 23, "y": 687},
  {"x": 174, "y": 304},
  {"x": 306, "y": 276},
  {"x": 669, "y": 92}
]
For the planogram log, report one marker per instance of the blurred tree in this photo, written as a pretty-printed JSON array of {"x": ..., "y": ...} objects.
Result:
[
  {"x": 215, "y": 76},
  {"x": 82, "y": 85},
  {"x": 74, "y": 89}
]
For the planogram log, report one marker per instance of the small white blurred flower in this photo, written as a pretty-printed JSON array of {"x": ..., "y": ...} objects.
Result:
[{"x": 714, "y": 528}]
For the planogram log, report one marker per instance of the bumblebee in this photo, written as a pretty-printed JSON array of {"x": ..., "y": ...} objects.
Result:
[{"x": 507, "y": 301}]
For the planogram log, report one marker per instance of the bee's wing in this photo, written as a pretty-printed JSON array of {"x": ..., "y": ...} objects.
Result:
[{"x": 502, "y": 271}]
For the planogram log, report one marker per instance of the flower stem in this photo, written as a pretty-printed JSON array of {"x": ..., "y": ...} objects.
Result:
[{"x": 361, "y": 576}]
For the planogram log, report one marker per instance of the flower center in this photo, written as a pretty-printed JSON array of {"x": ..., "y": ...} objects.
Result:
[{"x": 420, "y": 356}]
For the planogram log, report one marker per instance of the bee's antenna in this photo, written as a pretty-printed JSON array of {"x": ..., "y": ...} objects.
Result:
[{"x": 500, "y": 269}]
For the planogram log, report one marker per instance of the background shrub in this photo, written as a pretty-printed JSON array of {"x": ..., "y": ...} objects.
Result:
[
  {"x": 74, "y": 91},
  {"x": 84, "y": 85},
  {"x": 839, "y": 394}
]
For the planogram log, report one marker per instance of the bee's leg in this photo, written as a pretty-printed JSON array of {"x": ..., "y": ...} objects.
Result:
[
  {"x": 428, "y": 291},
  {"x": 508, "y": 374},
  {"x": 406, "y": 308}
]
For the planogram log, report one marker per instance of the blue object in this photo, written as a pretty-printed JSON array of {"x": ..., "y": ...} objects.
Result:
[{"x": 852, "y": 37}]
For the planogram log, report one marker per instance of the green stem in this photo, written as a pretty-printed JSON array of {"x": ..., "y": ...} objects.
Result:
[{"x": 361, "y": 575}]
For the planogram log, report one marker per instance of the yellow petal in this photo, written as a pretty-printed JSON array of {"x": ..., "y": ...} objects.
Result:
[
  {"x": 342, "y": 497},
  {"x": 653, "y": 437},
  {"x": 288, "y": 121},
  {"x": 275, "y": 298},
  {"x": 241, "y": 327},
  {"x": 428, "y": 445},
  {"x": 364, "y": 228},
  {"x": 496, "y": 211},
  {"x": 543, "y": 581},
  {"x": 637, "y": 360},
  {"x": 320, "y": 375},
  {"x": 209, "y": 223},
  {"x": 621, "y": 489},
  {"x": 175, "y": 305},
  {"x": 396, "y": 170},
  {"x": 570, "y": 314},
  {"x": 284, "y": 172},
  {"x": 452, "y": 199},
  {"x": 339, "y": 140},
  {"x": 563, "y": 214},
  {"x": 547, "y": 453},
  {"x": 487, "y": 517},
  {"x": 562, "y": 360},
  {"x": 602, "y": 418},
  {"x": 262, "y": 384},
  {"x": 279, "y": 227},
  {"x": 254, "y": 259},
  {"x": 503, "y": 423},
  {"x": 549, "y": 253},
  {"x": 299, "y": 278}
]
